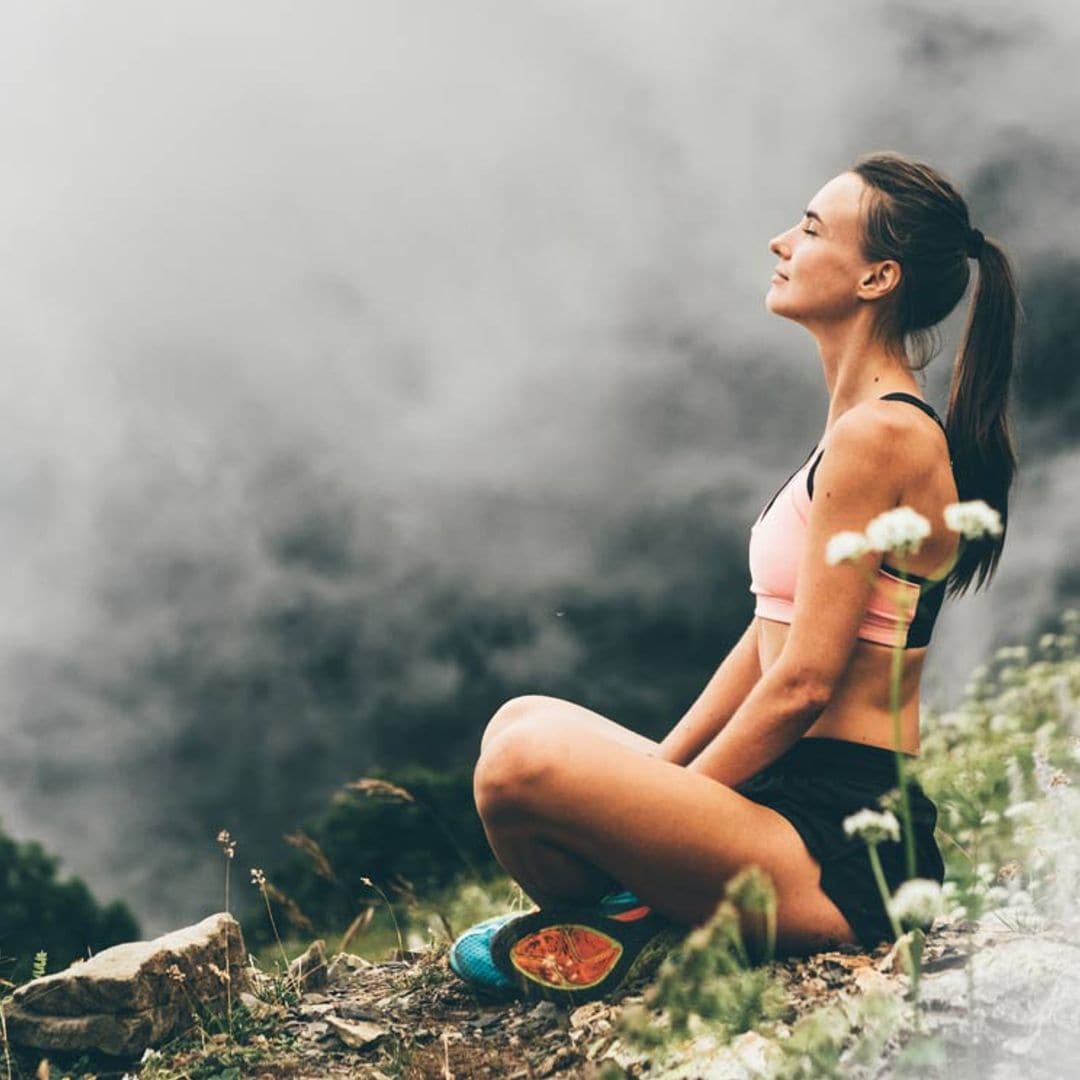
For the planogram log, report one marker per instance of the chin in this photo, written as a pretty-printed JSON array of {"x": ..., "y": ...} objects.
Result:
[{"x": 774, "y": 306}]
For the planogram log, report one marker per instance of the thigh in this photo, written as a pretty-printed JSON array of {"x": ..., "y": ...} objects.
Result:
[
  {"x": 672, "y": 836},
  {"x": 542, "y": 710}
]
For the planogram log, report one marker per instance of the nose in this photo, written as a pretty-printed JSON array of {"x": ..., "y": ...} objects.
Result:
[{"x": 775, "y": 245}]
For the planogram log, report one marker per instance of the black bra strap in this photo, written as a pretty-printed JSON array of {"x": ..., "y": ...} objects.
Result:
[
  {"x": 896, "y": 395},
  {"x": 903, "y": 395}
]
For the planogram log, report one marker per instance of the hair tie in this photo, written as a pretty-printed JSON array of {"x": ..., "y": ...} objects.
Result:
[{"x": 975, "y": 243}]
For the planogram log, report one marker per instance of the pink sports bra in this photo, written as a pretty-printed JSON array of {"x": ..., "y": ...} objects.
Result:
[{"x": 776, "y": 543}]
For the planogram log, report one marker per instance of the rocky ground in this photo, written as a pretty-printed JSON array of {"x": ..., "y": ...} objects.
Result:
[{"x": 411, "y": 1018}]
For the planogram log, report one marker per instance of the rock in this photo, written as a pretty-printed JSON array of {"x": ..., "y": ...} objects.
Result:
[
  {"x": 343, "y": 968},
  {"x": 589, "y": 1014},
  {"x": 758, "y": 1055},
  {"x": 314, "y": 1010},
  {"x": 357, "y": 1033},
  {"x": 354, "y": 1010},
  {"x": 869, "y": 980},
  {"x": 259, "y": 1009},
  {"x": 308, "y": 970},
  {"x": 1026, "y": 998},
  {"x": 132, "y": 996},
  {"x": 545, "y": 1010}
]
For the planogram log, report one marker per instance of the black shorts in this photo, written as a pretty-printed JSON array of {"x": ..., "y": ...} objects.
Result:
[{"x": 818, "y": 783}]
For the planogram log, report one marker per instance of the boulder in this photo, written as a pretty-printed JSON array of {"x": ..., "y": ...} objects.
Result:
[{"x": 136, "y": 995}]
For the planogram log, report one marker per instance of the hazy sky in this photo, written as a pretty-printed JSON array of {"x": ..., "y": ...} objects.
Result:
[{"x": 482, "y": 279}]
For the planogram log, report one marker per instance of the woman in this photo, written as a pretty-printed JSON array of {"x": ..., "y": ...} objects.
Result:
[{"x": 794, "y": 731}]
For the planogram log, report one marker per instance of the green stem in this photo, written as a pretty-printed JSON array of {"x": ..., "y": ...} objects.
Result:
[
  {"x": 895, "y": 674},
  {"x": 770, "y": 931},
  {"x": 277, "y": 938},
  {"x": 883, "y": 888},
  {"x": 7, "y": 1050},
  {"x": 228, "y": 967}
]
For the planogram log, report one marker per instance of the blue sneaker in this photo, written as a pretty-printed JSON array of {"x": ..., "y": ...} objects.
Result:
[
  {"x": 576, "y": 953},
  {"x": 614, "y": 903},
  {"x": 470, "y": 956}
]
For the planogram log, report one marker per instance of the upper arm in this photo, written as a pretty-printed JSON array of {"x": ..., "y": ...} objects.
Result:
[{"x": 858, "y": 477}]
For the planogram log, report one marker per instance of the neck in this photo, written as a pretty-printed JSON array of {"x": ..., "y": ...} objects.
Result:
[{"x": 857, "y": 369}]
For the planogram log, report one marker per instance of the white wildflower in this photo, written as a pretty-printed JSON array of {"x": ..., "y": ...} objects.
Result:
[
  {"x": 901, "y": 530},
  {"x": 872, "y": 826},
  {"x": 1051, "y": 781},
  {"x": 846, "y": 547},
  {"x": 917, "y": 901},
  {"x": 974, "y": 519},
  {"x": 258, "y": 877}
]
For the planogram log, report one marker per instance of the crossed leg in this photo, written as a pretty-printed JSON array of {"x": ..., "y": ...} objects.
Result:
[{"x": 572, "y": 803}]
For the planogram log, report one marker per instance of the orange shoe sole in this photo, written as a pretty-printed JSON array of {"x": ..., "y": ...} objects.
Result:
[{"x": 578, "y": 954}]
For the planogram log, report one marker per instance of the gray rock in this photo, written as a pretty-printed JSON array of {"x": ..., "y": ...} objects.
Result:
[
  {"x": 1025, "y": 994},
  {"x": 344, "y": 967},
  {"x": 132, "y": 996},
  {"x": 308, "y": 970}
]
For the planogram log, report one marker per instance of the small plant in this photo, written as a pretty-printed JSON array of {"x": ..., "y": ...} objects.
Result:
[
  {"x": 901, "y": 531},
  {"x": 228, "y": 848},
  {"x": 258, "y": 879},
  {"x": 401, "y": 945},
  {"x": 4, "y": 1036},
  {"x": 708, "y": 981}
]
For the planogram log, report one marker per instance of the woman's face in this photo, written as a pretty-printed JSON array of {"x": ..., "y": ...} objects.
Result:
[{"x": 825, "y": 274}]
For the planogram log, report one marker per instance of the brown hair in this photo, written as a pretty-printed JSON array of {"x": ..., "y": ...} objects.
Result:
[{"x": 915, "y": 216}]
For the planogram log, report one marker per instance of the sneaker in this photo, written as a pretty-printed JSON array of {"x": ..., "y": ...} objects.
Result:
[
  {"x": 579, "y": 953},
  {"x": 470, "y": 957}
]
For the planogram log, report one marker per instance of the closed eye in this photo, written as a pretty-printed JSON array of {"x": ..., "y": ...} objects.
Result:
[{"x": 809, "y": 232}]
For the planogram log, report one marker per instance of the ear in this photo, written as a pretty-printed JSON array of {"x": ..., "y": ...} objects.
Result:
[{"x": 880, "y": 279}]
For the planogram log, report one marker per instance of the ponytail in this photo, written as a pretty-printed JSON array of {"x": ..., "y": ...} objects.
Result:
[
  {"x": 977, "y": 423},
  {"x": 916, "y": 216}
]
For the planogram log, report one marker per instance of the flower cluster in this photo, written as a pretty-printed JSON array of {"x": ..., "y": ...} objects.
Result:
[
  {"x": 228, "y": 844},
  {"x": 902, "y": 530},
  {"x": 974, "y": 519},
  {"x": 872, "y": 826},
  {"x": 1051, "y": 781},
  {"x": 917, "y": 902},
  {"x": 846, "y": 547}
]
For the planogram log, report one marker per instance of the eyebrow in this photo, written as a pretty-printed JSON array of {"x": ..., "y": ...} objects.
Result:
[{"x": 814, "y": 214}]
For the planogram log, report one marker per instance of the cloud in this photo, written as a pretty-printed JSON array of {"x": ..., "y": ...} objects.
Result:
[{"x": 323, "y": 324}]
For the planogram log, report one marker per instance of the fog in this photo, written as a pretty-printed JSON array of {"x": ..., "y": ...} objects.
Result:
[{"x": 331, "y": 329}]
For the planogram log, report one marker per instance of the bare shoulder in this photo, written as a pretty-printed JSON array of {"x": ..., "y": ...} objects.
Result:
[
  {"x": 873, "y": 446},
  {"x": 868, "y": 431}
]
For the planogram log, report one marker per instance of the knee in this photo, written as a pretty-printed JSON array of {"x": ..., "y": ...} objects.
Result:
[
  {"x": 509, "y": 776},
  {"x": 508, "y": 714}
]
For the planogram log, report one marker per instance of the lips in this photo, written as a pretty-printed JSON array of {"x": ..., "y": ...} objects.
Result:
[{"x": 778, "y": 274}]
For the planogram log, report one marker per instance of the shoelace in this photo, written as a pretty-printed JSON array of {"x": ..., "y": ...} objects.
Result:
[{"x": 570, "y": 955}]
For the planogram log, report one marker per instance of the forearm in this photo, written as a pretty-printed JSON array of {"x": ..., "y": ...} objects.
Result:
[
  {"x": 716, "y": 704},
  {"x": 773, "y": 717}
]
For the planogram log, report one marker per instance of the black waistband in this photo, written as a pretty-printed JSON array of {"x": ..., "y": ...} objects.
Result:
[{"x": 819, "y": 755}]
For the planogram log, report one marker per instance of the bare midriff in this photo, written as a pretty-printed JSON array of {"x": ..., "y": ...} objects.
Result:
[{"x": 859, "y": 709}]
